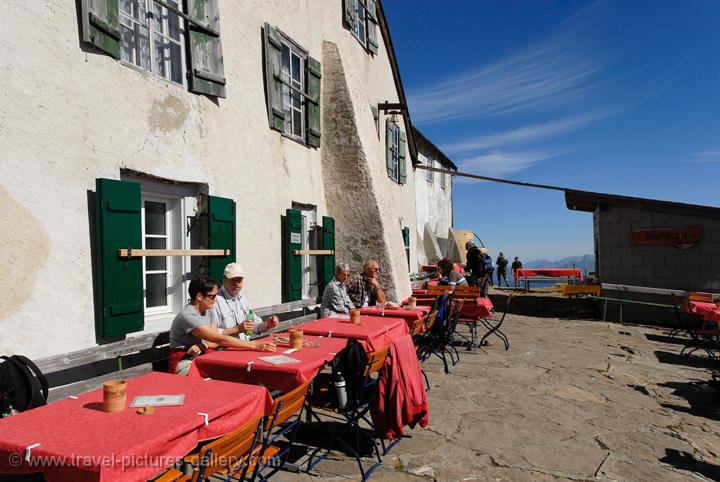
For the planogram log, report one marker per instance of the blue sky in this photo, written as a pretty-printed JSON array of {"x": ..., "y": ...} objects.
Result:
[{"x": 610, "y": 96}]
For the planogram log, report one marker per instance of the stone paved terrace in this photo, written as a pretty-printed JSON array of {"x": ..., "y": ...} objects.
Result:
[{"x": 571, "y": 400}]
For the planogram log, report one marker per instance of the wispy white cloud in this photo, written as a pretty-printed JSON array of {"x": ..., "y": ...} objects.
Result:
[
  {"x": 528, "y": 134},
  {"x": 553, "y": 73},
  {"x": 501, "y": 163},
  {"x": 710, "y": 155}
]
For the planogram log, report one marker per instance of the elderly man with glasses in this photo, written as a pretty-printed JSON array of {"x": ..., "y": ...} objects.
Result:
[
  {"x": 232, "y": 311},
  {"x": 364, "y": 288},
  {"x": 335, "y": 297},
  {"x": 193, "y": 329}
]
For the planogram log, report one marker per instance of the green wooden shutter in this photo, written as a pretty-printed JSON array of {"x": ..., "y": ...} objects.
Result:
[
  {"x": 292, "y": 263},
  {"x": 402, "y": 147},
  {"x": 388, "y": 147},
  {"x": 328, "y": 242},
  {"x": 100, "y": 25},
  {"x": 120, "y": 308},
  {"x": 313, "y": 105},
  {"x": 273, "y": 86},
  {"x": 350, "y": 13},
  {"x": 406, "y": 241},
  {"x": 207, "y": 72},
  {"x": 372, "y": 26},
  {"x": 221, "y": 234}
]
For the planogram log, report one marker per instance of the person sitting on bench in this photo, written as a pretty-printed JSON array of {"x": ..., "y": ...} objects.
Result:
[
  {"x": 449, "y": 275},
  {"x": 193, "y": 329}
]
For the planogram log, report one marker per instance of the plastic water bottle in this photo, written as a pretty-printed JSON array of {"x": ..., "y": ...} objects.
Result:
[
  {"x": 7, "y": 409},
  {"x": 250, "y": 317},
  {"x": 340, "y": 391}
]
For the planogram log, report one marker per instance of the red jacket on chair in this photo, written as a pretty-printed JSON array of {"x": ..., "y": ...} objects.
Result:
[{"x": 401, "y": 398}]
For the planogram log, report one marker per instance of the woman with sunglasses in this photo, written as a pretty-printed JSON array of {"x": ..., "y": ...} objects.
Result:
[{"x": 193, "y": 331}]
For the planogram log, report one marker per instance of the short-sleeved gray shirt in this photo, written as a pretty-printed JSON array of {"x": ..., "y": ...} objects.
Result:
[{"x": 184, "y": 323}]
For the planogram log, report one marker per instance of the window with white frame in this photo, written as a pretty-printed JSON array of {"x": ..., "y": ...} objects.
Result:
[
  {"x": 361, "y": 16},
  {"x": 293, "y": 76},
  {"x": 429, "y": 174},
  {"x": 169, "y": 220},
  {"x": 152, "y": 38},
  {"x": 360, "y": 27},
  {"x": 393, "y": 167},
  {"x": 442, "y": 179},
  {"x": 156, "y": 235}
]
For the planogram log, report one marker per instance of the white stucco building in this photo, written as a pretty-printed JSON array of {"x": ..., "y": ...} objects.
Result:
[
  {"x": 434, "y": 207},
  {"x": 258, "y": 127}
]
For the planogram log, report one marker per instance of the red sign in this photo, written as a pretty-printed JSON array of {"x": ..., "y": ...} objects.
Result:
[{"x": 680, "y": 237}]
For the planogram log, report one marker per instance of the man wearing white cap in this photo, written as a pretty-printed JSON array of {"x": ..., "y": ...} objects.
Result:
[{"x": 232, "y": 312}]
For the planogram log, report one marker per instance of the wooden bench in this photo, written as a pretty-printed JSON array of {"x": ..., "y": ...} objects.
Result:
[
  {"x": 581, "y": 290},
  {"x": 548, "y": 279},
  {"x": 84, "y": 370}
]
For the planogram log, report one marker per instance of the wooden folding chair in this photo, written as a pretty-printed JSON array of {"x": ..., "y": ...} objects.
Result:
[
  {"x": 280, "y": 424},
  {"x": 355, "y": 412},
  {"x": 231, "y": 456},
  {"x": 418, "y": 326}
]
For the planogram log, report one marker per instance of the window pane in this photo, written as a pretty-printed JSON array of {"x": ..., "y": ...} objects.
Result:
[
  {"x": 158, "y": 17},
  {"x": 126, "y": 46},
  {"x": 176, "y": 63},
  {"x": 142, "y": 39},
  {"x": 155, "y": 290},
  {"x": 154, "y": 217},
  {"x": 155, "y": 263},
  {"x": 286, "y": 61},
  {"x": 297, "y": 123},
  {"x": 287, "y": 109},
  {"x": 296, "y": 68},
  {"x": 160, "y": 52},
  {"x": 126, "y": 6},
  {"x": 361, "y": 22},
  {"x": 173, "y": 24}
]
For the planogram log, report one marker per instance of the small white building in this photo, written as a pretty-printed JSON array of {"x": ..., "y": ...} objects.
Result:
[
  {"x": 260, "y": 128},
  {"x": 434, "y": 202}
]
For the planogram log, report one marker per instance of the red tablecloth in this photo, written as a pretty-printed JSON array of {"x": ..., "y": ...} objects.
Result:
[
  {"x": 473, "y": 308},
  {"x": 410, "y": 315},
  {"x": 374, "y": 333},
  {"x": 549, "y": 272},
  {"x": 231, "y": 365},
  {"x": 90, "y": 445},
  {"x": 476, "y": 308},
  {"x": 709, "y": 311}
]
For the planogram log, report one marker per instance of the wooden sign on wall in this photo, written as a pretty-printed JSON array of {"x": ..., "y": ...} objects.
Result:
[{"x": 680, "y": 237}]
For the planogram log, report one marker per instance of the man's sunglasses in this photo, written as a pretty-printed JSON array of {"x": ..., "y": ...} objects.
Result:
[{"x": 210, "y": 296}]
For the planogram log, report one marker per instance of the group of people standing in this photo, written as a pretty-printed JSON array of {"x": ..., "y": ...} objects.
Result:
[{"x": 480, "y": 268}]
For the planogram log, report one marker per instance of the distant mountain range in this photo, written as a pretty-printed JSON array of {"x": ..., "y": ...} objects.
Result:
[{"x": 586, "y": 263}]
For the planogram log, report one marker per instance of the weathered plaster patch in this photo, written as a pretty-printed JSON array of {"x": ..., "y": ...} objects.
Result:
[
  {"x": 167, "y": 115},
  {"x": 24, "y": 249}
]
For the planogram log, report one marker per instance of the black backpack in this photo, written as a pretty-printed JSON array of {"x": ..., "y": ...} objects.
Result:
[
  {"x": 350, "y": 362},
  {"x": 22, "y": 383}
]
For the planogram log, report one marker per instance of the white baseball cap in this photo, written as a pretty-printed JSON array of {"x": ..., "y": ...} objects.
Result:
[{"x": 234, "y": 270}]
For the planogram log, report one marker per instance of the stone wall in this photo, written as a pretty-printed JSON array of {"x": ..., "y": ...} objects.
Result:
[{"x": 696, "y": 268}]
